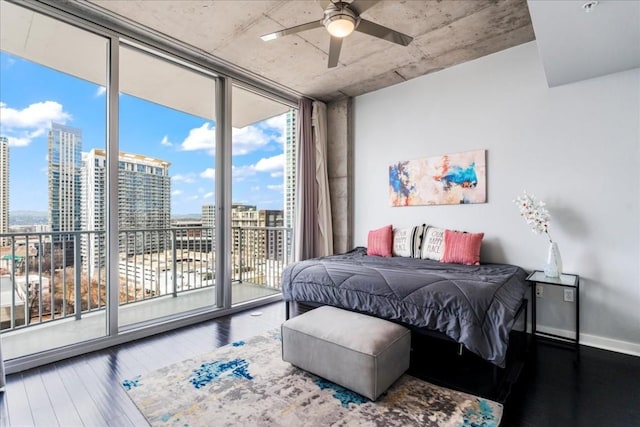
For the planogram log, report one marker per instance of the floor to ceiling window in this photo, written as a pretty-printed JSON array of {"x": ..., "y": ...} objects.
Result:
[
  {"x": 262, "y": 192},
  {"x": 166, "y": 189},
  {"x": 108, "y": 165},
  {"x": 52, "y": 110}
]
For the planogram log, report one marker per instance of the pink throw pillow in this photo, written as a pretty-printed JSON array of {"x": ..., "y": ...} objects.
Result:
[
  {"x": 462, "y": 248},
  {"x": 380, "y": 241}
]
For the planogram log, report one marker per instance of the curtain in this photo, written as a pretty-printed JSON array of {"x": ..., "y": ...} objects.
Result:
[
  {"x": 306, "y": 189},
  {"x": 324, "y": 230}
]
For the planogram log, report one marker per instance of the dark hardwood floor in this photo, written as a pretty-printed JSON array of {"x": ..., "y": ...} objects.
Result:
[{"x": 602, "y": 389}]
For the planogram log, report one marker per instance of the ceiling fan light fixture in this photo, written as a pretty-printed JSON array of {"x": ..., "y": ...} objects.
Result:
[
  {"x": 339, "y": 20},
  {"x": 340, "y": 26}
]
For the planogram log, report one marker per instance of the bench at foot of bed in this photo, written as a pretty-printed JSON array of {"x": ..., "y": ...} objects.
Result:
[{"x": 362, "y": 353}]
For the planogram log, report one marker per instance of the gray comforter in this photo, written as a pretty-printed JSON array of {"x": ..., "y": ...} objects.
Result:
[{"x": 473, "y": 305}]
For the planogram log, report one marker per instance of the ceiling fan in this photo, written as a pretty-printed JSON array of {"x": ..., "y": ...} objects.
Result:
[{"x": 340, "y": 20}]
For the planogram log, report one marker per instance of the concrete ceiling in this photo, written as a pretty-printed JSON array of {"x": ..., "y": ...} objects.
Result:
[{"x": 445, "y": 33}]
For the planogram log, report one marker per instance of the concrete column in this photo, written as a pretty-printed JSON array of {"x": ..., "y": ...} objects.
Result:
[{"x": 340, "y": 171}]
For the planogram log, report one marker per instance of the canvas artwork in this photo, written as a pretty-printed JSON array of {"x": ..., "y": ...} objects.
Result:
[{"x": 442, "y": 180}]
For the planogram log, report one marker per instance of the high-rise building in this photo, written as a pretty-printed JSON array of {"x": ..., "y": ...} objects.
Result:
[
  {"x": 65, "y": 161},
  {"x": 243, "y": 218},
  {"x": 209, "y": 220},
  {"x": 290, "y": 153},
  {"x": 4, "y": 188},
  {"x": 144, "y": 204},
  {"x": 94, "y": 214},
  {"x": 271, "y": 239},
  {"x": 251, "y": 236}
]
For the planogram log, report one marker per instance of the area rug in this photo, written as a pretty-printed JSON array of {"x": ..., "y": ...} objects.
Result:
[{"x": 246, "y": 383}]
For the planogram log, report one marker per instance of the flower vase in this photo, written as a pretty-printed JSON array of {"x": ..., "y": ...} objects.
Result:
[{"x": 553, "y": 268}]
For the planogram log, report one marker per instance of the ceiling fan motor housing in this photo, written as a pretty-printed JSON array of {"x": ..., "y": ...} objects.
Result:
[{"x": 339, "y": 11}]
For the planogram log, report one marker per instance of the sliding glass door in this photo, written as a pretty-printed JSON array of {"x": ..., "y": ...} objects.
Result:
[
  {"x": 263, "y": 192},
  {"x": 166, "y": 190},
  {"x": 52, "y": 243}
]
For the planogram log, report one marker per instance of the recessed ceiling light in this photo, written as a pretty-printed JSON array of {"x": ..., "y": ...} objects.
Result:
[{"x": 589, "y": 6}]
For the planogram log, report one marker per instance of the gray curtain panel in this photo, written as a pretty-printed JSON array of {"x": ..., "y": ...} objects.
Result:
[
  {"x": 324, "y": 229},
  {"x": 306, "y": 187}
]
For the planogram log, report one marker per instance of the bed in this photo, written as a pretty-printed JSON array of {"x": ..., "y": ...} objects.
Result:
[{"x": 475, "y": 306}]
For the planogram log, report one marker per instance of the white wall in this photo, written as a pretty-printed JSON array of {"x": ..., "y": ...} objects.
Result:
[{"x": 577, "y": 147}]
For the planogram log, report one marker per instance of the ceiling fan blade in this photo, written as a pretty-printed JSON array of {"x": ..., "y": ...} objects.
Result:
[
  {"x": 334, "y": 51},
  {"x": 325, "y": 3},
  {"x": 361, "y": 5},
  {"x": 292, "y": 30},
  {"x": 381, "y": 32}
]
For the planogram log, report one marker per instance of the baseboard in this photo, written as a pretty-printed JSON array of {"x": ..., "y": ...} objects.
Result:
[
  {"x": 625, "y": 347},
  {"x": 596, "y": 341}
]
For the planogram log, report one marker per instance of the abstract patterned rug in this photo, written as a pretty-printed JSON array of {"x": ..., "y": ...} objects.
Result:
[{"x": 246, "y": 383}]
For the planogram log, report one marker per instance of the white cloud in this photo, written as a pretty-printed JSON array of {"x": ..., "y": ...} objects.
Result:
[
  {"x": 245, "y": 140},
  {"x": 276, "y": 125},
  {"x": 240, "y": 173},
  {"x": 22, "y": 126},
  {"x": 209, "y": 173},
  {"x": 271, "y": 164},
  {"x": 277, "y": 122},
  {"x": 187, "y": 178},
  {"x": 18, "y": 141},
  {"x": 209, "y": 195},
  {"x": 248, "y": 139},
  {"x": 274, "y": 165},
  {"x": 276, "y": 187},
  {"x": 165, "y": 141},
  {"x": 100, "y": 91},
  {"x": 202, "y": 138},
  {"x": 277, "y": 174},
  {"x": 38, "y": 115},
  {"x": 176, "y": 192}
]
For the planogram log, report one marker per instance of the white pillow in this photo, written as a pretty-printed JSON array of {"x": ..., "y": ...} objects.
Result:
[
  {"x": 406, "y": 241},
  {"x": 433, "y": 244}
]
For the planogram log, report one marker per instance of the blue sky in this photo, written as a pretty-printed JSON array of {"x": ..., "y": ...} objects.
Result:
[{"x": 32, "y": 96}]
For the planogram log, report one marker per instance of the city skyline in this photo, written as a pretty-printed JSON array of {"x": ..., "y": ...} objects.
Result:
[{"x": 32, "y": 97}]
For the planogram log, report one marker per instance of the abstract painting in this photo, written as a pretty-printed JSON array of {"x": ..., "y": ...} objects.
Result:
[{"x": 457, "y": 178}]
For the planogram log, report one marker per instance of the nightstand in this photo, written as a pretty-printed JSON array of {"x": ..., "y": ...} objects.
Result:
[{"x": 567, "y": 281}]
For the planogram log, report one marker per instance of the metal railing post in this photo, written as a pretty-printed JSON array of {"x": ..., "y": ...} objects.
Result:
[
  {"x": 13, "y": 284},
  {"x": 40, "y": 246},
  {"x": 174, "y": 261},
  {"x": 241, "y": 247},
  {"x": 78, "y": 279}
]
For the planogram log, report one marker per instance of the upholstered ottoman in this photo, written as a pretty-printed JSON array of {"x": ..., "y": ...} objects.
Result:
[{"x": 362, "y": 353}]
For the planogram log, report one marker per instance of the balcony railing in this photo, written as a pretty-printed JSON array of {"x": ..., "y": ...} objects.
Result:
[{"x": 50, "y": 276}]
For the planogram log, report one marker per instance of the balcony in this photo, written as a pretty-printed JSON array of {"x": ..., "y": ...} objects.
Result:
[{"x": 53, "y": 285}]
